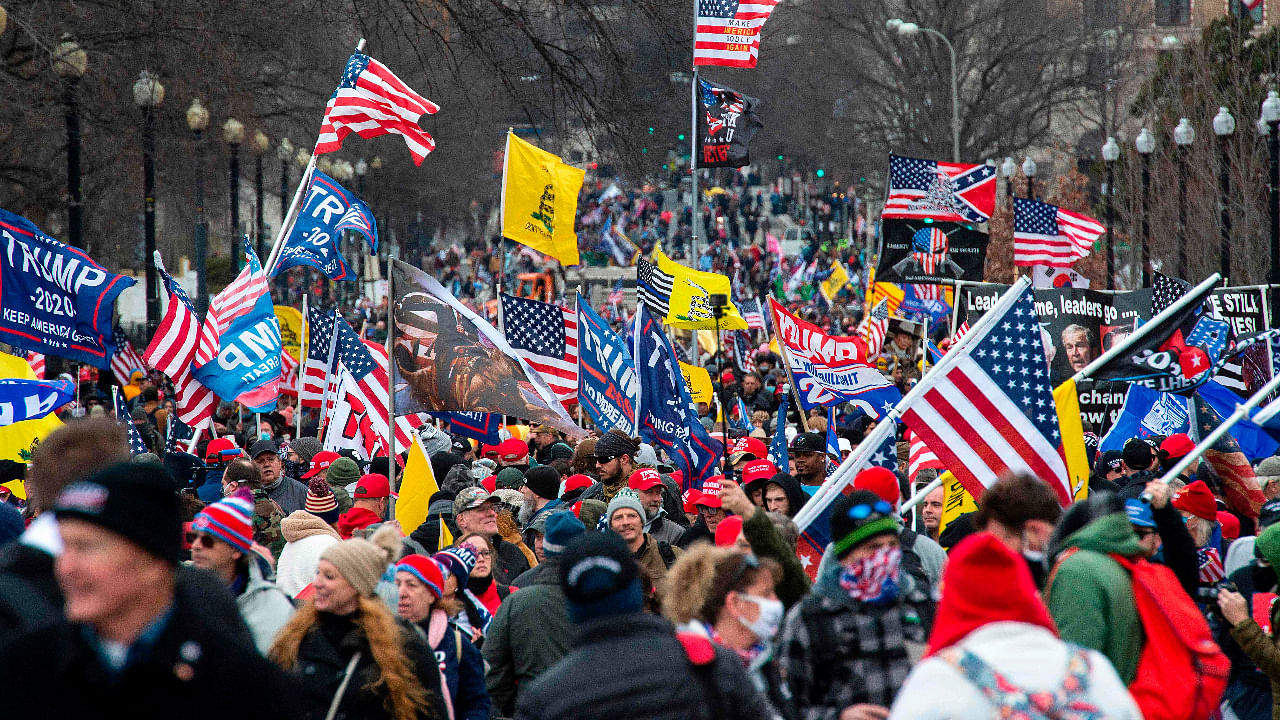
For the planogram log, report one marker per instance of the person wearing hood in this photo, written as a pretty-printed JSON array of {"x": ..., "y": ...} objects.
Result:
[
  {"x": 782, "y": 494},
  {"x": 531, "y": 630},
  {"x": 223, "y": 545},
  {"x": 307, "y": 534},
  {"x": 754, "y": 476},
  {"x": 647, "y": 484},
  {"x": 994, "y": 646},
  {"x": 1087, "y": 585},
  {"x": 368, "y": 505},
  {"x": 843, "y": 648},
  {"x": 442, "y": 462},
  {"x": 425, "y": 539}
]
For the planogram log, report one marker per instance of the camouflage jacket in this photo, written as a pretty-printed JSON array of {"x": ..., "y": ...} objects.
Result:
[{"x": 267, "y": 517}]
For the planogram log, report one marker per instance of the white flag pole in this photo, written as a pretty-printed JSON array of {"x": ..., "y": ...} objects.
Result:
[
  {"x": 391, "y": 388},
  {"x": 1241, "y": 412},
  {"x": 303, "y": 349}
]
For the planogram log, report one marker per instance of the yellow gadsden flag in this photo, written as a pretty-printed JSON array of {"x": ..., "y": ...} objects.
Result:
[
  {"x": 540, "y": 200},
  {"x": 290, "y": 329},
  {"x": 416, "y": 488},
  {"x": 836, "y": 281},
  {"x": 691, "y": 291},
  {"x": 699, "y": 382}
]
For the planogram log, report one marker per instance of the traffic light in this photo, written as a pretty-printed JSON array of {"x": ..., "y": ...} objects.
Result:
[
  {"x": 680, "y": 136},
  {"x": 821, "y": 172},
  {"x": 650, "y": 131},
  {"x": 780, "y": 157}
]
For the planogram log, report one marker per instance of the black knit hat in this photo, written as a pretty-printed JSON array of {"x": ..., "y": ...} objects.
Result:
[
  {"x": 1138, "y": 454},
  {"x": 858, "y": 517},
  {"x": 134, "y": 500},
  {"x": 544, "y": 481},
  {"x": 599, "y": 577}
]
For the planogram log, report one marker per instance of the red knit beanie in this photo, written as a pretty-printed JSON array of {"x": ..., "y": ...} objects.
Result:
[
  {"x": 985, "y": 582},
  {"x": 880, "y": 481},
  {"x": 1198, "y": 500},
  {"x": 728, "y": 530}
]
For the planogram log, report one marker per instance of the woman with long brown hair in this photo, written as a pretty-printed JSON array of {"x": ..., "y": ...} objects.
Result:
[{"x": 350, "y": 653}]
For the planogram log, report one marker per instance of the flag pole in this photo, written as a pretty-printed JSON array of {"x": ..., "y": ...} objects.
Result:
[
  {"x": 1241, "y": 412},
  {"x": 195, "y": 435},
  {"x": 502, "y": 220},
  {"x": 872, "y": 441},
  {"x": 1146, "y": 328},
  {"x": 328, "y": 370},
  {"x": 303, "y": 350},
  {"x": 391, "y": 391}
]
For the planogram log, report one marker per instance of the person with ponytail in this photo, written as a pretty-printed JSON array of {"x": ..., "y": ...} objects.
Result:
[
  {"x": 350, "y": 653},
  {"x": 729, "y": 598}
]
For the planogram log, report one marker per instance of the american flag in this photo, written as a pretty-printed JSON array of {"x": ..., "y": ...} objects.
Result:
[
  {"x": 176, "y": 432},
  {"x": 1211, "y": 568},
  {"x": 288, "y": 374},
  {"x": 124, "y": 418},
  {"x": 728, "y": 32},
  {"x": 874, "y": 327},
  {"x": 364, "y": 377},
  {"x": 546, "y": 336},
  {"x": 920, "y": 457},
  {"x": 371, "y": 101},
  {"x": 126, "y": 359},
  {"x": 939, "y": 190},
  {"x": 653, "y": 288},
  {"x": 36, "y": 361},
  {"x": 752, "y": 313},
  {"x": 173, "y": 349},
  {"x": 1239, "y": 481},
  {"x": 1045, "y": 234},
  {"x": 407, "y": 427},
  {"x": 235, "y": 300},
  {"x": 992, "y": 411},
  {"x": 320, "y": 357},
  {"x": 616, "y": 294}
]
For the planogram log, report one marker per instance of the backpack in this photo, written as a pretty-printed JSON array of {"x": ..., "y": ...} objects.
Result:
[
  {"x": 668, "y": 555},
  {"x": 1182, "y": 673},
  {"x": 1068, "y": 703}
]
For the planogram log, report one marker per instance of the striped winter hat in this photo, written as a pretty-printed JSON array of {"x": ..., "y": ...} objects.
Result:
[
  {"x": 425, "y": 569},
  {"x": 320, "y": 500},
  {"x": 230, "y": 520}
]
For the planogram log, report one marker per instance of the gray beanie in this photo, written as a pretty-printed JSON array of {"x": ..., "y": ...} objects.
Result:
[
  {"x": 359, "y": 561},
  {"x": 626, "y": 498},
  {"x": 306, "y": 447}
]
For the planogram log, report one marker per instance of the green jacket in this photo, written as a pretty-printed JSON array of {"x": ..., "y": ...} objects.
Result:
[
  {"x": 529, "y": 633},
  {"x": 1091, "y": 597},
  {"x": 766, "y": 542}
]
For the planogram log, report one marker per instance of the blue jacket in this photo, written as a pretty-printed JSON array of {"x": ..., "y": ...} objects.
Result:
[
  {"x": 211, "y": 490},
  {"x": 463, "y": 670}
]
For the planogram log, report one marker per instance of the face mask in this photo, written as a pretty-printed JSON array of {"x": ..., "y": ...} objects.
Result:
[
  {"x": 874, "y": 579},
  {"x": 766, "y": 625}
]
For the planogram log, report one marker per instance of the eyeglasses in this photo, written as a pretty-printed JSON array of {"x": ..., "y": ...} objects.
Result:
[
  {"x": 1145, "y": 532},
  {"x": 860, "y": 512},
  {"x": 479, "y": 553},
  {"x": 602, "y": 459},
  {"x": 204, "y": 541}
]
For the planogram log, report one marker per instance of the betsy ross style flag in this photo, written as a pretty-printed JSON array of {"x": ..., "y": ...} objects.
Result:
[
  {"x": 546, "y": 336},
  {"x": 173, "y": 350},
  {"x": 371, "y": 101},
  {"x": 939, "y": 190},
  {"x": 1045, "y": 234},
  {"x": 728, "y": 32},
  {"x": 991, "y": 413}
]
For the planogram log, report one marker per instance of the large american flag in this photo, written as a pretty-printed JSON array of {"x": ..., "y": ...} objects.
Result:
[
  {"x": 991, "y": 413},
  {"x": 364, "y": 379},
  {"x": 752, "y": 313},
  {"x": 1045, "y": 234},
  {"x": 546, "y": 336},
  {"x": 320, "y": 356},
  {"x": 939, "y": 190},
  {"x": 173, "y": 350},
  {"x": 371, "y": 101},
  {"x": 125, "y": 359},
  {"x": 874, "y": 327},
  {"x": 728, "y": 32},
  {"x": 235, "y": 300},
  {"x": 125, "y": 418}
]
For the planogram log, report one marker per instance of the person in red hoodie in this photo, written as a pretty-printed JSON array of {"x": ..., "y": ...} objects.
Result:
[
  {"x": 994, "y": 649},
  {"x": 369, "y": 505}
]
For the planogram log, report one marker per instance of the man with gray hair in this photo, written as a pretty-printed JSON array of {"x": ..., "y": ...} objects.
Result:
[{"x": 1077, "y": 343}]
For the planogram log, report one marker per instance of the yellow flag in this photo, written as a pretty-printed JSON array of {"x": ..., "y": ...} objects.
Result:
[
  {"x": 691, "y": 292},
  {"x": 416, "y": 488},
  {"x": 19, "y": 439},
  {"x": 1068, "y": 404},
  {"x": 956, "y": 500},
  {"x": 540, "y": 200},
  {"x": 290, "y": 329},
  {"x": 446, "y": 537},
  {"x": 836, "y": 281},
  {"x": 699, "y": 382}
]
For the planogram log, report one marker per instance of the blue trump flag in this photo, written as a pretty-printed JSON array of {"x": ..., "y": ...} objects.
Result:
[
  {"x": 1145, "y": 413},
  {"x": 313, "y": 241},
  {"x": 29, "y": 399},
  {"x": 239, "y": 354},
  {"x": 607, "y": 385},
  {"x": 54, "y": 299},
  {"x": 1256, "y": 441},
  {"x": 665, "y": 412},
  {"x": 778, "y": 448},
  {"x": 480, "y": 426}
]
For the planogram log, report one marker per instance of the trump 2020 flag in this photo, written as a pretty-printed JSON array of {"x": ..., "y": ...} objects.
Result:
[
  {"x": 1146, "y": 413},
  {"x": 239, "y": 353},
  {"x": 665, "y": 414},
  {"x": 607, "y": 383},
  {"x": 313, "y": 241},
  {"x": 540, "y": 200},
  {"x": 54, "y": 299},
  {"x": 29, "y": 399}
]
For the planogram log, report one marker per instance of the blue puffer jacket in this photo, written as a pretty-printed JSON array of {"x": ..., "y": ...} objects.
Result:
[{"x": 463, "y": 668}]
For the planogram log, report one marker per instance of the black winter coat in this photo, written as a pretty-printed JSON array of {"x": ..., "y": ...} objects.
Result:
[
  {"x": 322, "y": 663},
  {"x": 660, "y": 683}
]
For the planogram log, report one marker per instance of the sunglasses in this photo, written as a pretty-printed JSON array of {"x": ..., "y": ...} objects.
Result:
[
  {"x": 860, "y": 512},
  {"x": 1144, "y": 532},
  {"x": 204, "y": 541},
  {"x": 602, "y": 459}
]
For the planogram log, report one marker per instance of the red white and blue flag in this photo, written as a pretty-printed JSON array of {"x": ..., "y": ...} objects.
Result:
[
  {"x": 1045, "y": 234},
  {"x": 173, "y": 350},
  {"x": 238, "y": 357},
  {"x": 126, "y": 359},
  {"x": 546, "y": 336},
  {"x": 953, "y": 192},
  {"x": 874, "y": 328},
  {"x": 727, "y": 32},
  {"x": 318, "y": 365},
  {"x": 752, "y": 313},
  {"x": 371, "y": 101},
  {"x": 36, "y": 361}
]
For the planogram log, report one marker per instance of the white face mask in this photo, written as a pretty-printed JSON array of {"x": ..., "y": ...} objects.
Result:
[{"x": 766, "y": 625}]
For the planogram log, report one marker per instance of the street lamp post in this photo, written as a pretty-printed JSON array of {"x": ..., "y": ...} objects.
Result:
[
  {"x": 1029, "y": 169},
  {"x": 70, "y": 62},
  {"x": 1183, "y": 136},
  {"x": 198, "y": 122},
  {"x": 1111, "y": 153},
  {"x": 261, "y": 144},
  {"x": 1271, "y": 116},
  {"x": 1224, "y": 126},
  {"x": 148, "y": 93},
  {"x": 1146, "y": 143},
  {"x": 1007, "y": 169},
  {"x": 233, "y": 136},
  {"x": 285, "y": 153},
  {"x": 910, "y": 29}
]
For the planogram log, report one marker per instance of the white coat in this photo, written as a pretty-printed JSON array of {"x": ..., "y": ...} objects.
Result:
[{"x": 263, "y": 607}]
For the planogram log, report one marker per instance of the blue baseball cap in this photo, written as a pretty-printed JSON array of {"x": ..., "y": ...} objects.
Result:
[{"x": 1139, "y": 513}]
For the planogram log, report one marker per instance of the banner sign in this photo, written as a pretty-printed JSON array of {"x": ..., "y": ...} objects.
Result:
[
  {"x": 316, "y": 236},
  {"x": 607, "y": 383},
  {"x": 924, "y": 251},
  {"x": 54, "y": 299}
]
